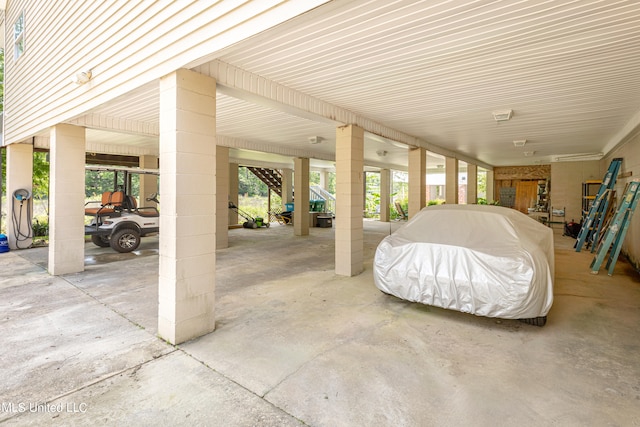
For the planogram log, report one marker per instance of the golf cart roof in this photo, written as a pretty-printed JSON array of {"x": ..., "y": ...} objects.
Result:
[{"x": 122, "y": 169}]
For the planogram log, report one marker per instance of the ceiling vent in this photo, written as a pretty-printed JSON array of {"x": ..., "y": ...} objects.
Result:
[
  {"x": 520, "y": 142},
  {"x": 502, "y": 116}
]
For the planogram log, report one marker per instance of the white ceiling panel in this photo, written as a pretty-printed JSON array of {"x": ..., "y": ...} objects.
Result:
[{"x": 436, "y": 70}]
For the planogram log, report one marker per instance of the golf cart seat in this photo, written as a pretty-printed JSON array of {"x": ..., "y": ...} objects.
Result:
[
  {"x": 110, "y": 202},
  {"x": 131, "y": 205}
]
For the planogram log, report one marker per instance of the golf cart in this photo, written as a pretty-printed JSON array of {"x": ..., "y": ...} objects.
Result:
[{"x": 116, "y": 220}]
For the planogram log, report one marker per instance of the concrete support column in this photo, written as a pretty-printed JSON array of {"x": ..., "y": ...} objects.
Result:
[
  {"x": 187, "y": 227},
  {"x": 222, "y": 197},
  {"x": 234, "y": 183},
  {"x": 417, "y": 180},
  {"x": 385, "y": 194},
  {"x": 349, "y": 234},
  {"x": 472, "y": 184},
  {"x": 66, "y": 199},
  {"x": 148, "y": 183},
  {"x": 19, "y": 176},
  {"x": 490, "y": 187},
  {"x": 324, "y": 180},
  {"x": 451, "y": 176},
  {"x": 287, "y": 186},
  {"x": 301, "y": 203}
]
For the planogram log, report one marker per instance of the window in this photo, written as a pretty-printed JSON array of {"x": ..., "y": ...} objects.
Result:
[{"x": 18, "y": 36}]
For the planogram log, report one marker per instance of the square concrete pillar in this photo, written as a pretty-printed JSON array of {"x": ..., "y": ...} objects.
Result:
[
  {"x": 349, "y": 235},
  {"x": 19, "y": 177},
  {"x": 490, "y": 187},
  {"x": 301, "y": 201},
  {"x": 417, "y": 180},
  {"x": 324, "y": 180},
  {"x": 187, "y": 262},
  {"x": 287, "y": 186},
  {"x": 385, "y": 194},
  {"x": 451, "y": 180},
  {"x": 222, "y": 197},
  {"x": 234, "y": 183},
  {"x": 66, "y": 199},
  {"x": 148, "y": 183},
  {"x": 472, "y": 184}
]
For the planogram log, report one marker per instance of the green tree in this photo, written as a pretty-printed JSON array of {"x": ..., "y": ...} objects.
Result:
[
  {"x": 250, "y": 184},
  {"x": 40, "y": 175}
]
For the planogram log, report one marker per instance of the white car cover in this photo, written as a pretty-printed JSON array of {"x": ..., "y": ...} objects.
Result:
[{"x": 486, "y": 260}]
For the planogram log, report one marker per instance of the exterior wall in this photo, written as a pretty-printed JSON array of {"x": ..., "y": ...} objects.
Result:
[
  {"x": 566, "y": 186},
  {"x": 630, "y": 152},
  {"x": 124, "y": 43},
  {"x": 510, "y": 176}
]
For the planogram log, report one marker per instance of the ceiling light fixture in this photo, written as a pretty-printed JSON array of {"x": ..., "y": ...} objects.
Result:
[
  {"x": 529, "y": 153},
  {"x": 520, "y": 142},
  {"x": 581, "y": 156},
  {"x": 82, "y": 77},
  {"x": 315, "y": 139},
  {"x": 381, "y": 153},
  {"x": 502, "y": 116}
]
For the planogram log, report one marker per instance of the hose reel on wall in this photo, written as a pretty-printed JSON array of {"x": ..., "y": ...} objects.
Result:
[{"x": 22, "y": 233}]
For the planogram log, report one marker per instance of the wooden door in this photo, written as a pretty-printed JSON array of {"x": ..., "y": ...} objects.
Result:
[{"x": 526, "y": 195}]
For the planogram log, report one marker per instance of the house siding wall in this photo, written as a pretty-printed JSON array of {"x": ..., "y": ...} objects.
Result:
[
  {"x": 566, "y": 186},
  {"x": 125, "y": 43}
]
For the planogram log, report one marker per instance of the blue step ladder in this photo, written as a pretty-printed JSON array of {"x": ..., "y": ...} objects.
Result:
[
  {"x": 614, "y": 236},
  {"x": 592, "y": 224}
]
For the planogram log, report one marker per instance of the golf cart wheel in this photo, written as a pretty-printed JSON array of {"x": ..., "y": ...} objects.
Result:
[
  {"x": 125, "y": 240},
  {"x": 102, "y": 241},
  {"x": 535, "y": 321},
  {"x": 267, "y": 225}
]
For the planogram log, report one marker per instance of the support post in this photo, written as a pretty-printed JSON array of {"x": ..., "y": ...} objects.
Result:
[
  {"x": 472, "y": 184},
  {"x": 222, "y": 197},
  {"x": 287, "y": 187},
  {"x": 148, "y": 183},
  {"x": 66, "y": 199},
  {"x": 19, "y": 213},
  {"x": 490, "y": 187},
  {"x": 451, "y": 174},
  {"x": 417, "y": 180},
  {"x": 187, "y": 228},
  {"x": 349, "y": 235},
  {"x": 385, "y": 194},
  {"x": 234, "y": 182},
  {"x": 301, "y": 203}
]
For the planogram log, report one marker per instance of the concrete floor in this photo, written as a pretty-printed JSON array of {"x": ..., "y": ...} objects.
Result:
[{"x": 297, "y": 345}]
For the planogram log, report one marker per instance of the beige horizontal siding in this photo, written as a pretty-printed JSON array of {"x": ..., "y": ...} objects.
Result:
[{"x": 126, "y": 44}]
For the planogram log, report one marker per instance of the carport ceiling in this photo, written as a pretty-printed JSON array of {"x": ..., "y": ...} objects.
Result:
[{"x": 437, "y": 70}]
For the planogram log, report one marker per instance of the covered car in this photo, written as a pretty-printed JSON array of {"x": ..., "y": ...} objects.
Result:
[{"x": 486, "y": 260}]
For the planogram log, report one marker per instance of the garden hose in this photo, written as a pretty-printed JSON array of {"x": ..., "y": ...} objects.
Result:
[{"x": 21, "y": 196}]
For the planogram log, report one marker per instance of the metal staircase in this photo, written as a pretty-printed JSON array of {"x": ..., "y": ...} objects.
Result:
[{"x": 271, "y": 177}]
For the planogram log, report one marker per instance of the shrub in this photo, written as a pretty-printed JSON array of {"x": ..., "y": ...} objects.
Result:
[{"x": 40, "y": 227}]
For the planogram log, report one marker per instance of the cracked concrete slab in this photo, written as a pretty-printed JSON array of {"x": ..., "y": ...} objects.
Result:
[
  {"x": 172, "y": 390},
  {"x": 56, "y": 338}
]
